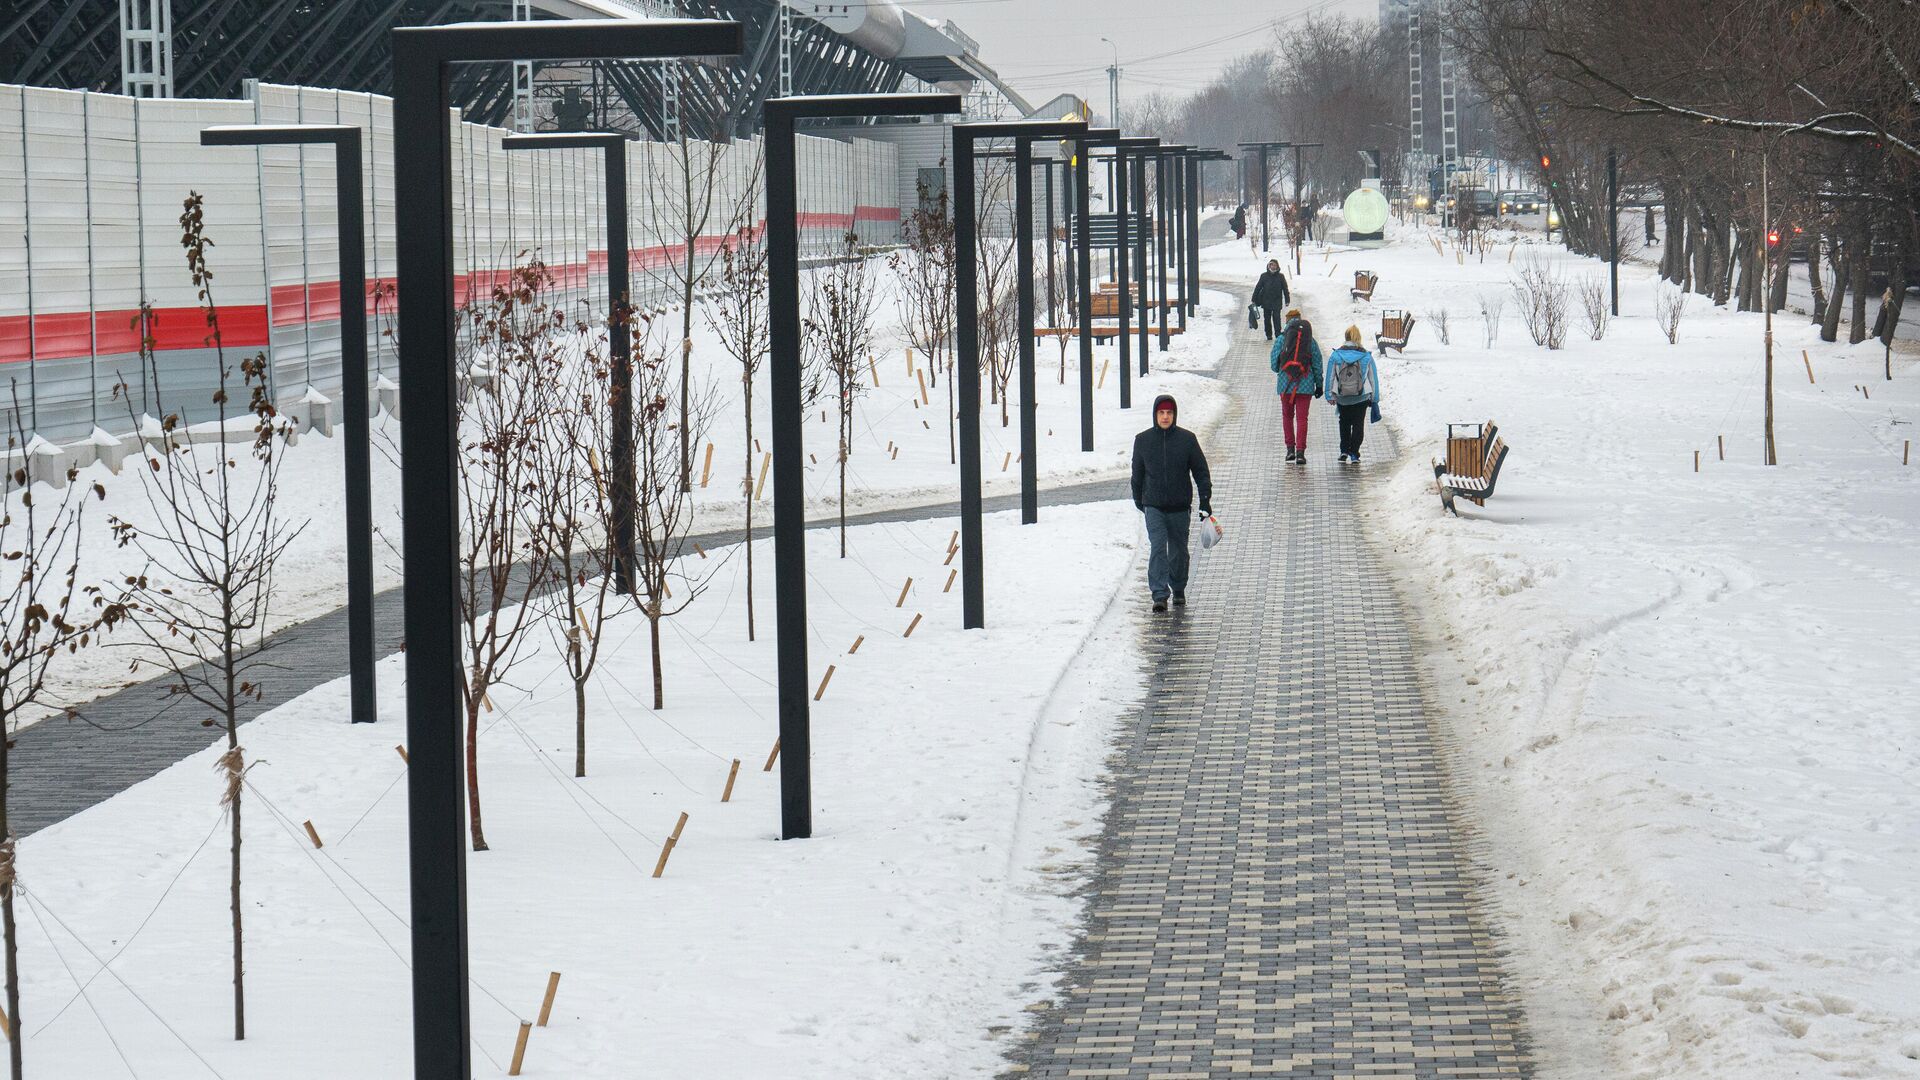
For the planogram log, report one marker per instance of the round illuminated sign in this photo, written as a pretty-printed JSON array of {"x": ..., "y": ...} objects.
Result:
[{"x": 1366, "y": 211}]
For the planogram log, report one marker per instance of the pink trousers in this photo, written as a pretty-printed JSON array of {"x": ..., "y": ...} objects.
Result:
[{"x": 1293, "y": 417}]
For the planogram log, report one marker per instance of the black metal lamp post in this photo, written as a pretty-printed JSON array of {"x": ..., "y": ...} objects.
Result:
[
  {"x": 789, "y": 494},
  {"x": 1264, "y": 148},
  {"x": 350, "y": 194},
  {"x": 1083, "y": 220},
  {"x": 619, "y": 330},
  {"x": 967, "y": 330},
  {"x": 1141, "y": 149},
  {"x": 423, "y": 175}
]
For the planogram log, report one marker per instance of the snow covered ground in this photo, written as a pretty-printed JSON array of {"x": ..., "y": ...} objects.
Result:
[
  {"x": 955, "y": 796},
  {"x": 311, "y": 576},
  {"x": 1682, "y": 705}
]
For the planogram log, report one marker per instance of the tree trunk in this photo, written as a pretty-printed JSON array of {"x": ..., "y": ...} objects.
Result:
[
  {"x": 1814, "y": 282},
  {"x": 686, "y": 360},
  {"x": 1891, "y": 305},
  {"x": 8, "y": 931},
  {"x": 653, "y": 632},
  {"x": 579, "y": 711},
  {"x": 846, "y": 434},
  {"x": 749, "y": 501},
  {"x": 473, "y": 769},
  {"x": 233, "y": 885},
  {"x": 1830, "y": 319},
  {"x": 1861, "y": 264},
  {"x": 1777, "y": 284},
  {"x": 953, "y": 451}
]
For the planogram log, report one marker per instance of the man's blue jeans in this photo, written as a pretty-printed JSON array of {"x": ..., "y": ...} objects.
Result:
[{"x": 1167, "y": 562}]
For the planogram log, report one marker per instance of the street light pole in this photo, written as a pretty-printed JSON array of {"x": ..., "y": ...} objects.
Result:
[
  {"x": 1113, "y": 85},
  {"x": 789, "y": 472},
  {"x": 350, "y": 197},
  {"x": 624, "y": 482},
  {"x": 429, "y": 451}
]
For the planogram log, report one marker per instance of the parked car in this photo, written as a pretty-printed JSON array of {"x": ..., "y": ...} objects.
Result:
[
  {"x": 1520, "y": 202},
  {"x": 1641, "y": 195}
]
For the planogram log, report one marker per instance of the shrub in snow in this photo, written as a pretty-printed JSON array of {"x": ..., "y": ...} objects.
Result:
[
  {"x": 1669, "y": 305},
  {"x": 1544, "y": 302},
  {"x": 1594, "y": 301},
  {"x": 1442, "y": 324},
  {"x": 1492, "y": 306}
]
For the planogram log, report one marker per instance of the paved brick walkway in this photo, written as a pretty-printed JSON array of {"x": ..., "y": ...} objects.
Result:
[{"x": 1279, "y": 888}]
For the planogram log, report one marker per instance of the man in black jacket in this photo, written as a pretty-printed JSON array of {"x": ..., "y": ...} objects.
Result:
[
  {"x": 1270, "y": 295},
  {"x": 1165, "y": 456}
]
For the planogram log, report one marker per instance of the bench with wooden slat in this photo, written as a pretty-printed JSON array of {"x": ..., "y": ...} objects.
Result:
[
  {"x": 1475, "y": 455},
  {"x": 1396, "y": 327},
  {"x": 1363, "y": 283},
  {"x": 1102, "y": 332}
]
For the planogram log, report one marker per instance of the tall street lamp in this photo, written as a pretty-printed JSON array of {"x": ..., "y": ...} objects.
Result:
[
  {"x": 619, "y": 329},
  {"x": 429, "y": 496},
  {"x": 789, "y": 493},
  {"x": 350, "y": 196}
]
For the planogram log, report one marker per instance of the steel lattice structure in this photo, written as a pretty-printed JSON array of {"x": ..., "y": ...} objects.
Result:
[{"x": 218, "y": 44}]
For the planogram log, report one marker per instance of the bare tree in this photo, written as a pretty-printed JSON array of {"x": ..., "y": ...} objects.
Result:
[
  {"x": 44, "y": 614},
  {"x": 1542, "y": 293},
  {"x": 572, "y": 517},
  {"x": 1596, "y": 305},
  {"x": 926, "y": 265},
  {"x": 209, "y": 551},
  {"x": 1442, "y": 324},
  {"x": 1669, "y": 307},
  {"x": 663, "y": 512},
  {"x": 736, "y": 310},
  {"x": 1492, "y": 306},
  {"x": 516, "y": 341},
  {"x": 684, "y": 184},
  {"x": 841, "y": 310}
]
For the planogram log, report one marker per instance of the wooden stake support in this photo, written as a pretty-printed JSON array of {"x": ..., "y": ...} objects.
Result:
[
  {"x": 911, "y": 625},
  {"x": 924, "y": 400},
  {"x": 726, "y": 794},
  {"x": 487, "y": 700},
  {"x": 312, "y": 834},
  {"x": 1104, "y": 364},
  {"x": 666, "y": 849},
  {"x": 1696, "y": 461},
  {"x": 1905, "y": 449},
  {"x": 402, "y": 751},
  {"x": 902, "y": 602},
  {"x": 761, "y": 484},
  {"x": 909, "y": 361},
  {"x": 896, "y": 453},
  {"x": 1008, "y": 460},
  {"x": 812, "y": 459},
  {"x": 520, "y": 1049},
  {"x": 855, "y": 647},
  {"x": 698, "y": 550},
  {"x": 951, "y": 552},
  {"x": 926, "y": 425},
  {"x": 1805, "y": 360},
  {"x": 1864, "y": 394},
  {"x": 875, "y": 371},
  {"x": 824, "y": 680},
  {"x": 706, "y": 469},
  {"x": 1722, "y": 440},
  {"x": 951, "y": 574},
  {"x": 6, "y": 1024},
  {"x": 772, "y": 757},
  {"x": 546, "y": 1005}
]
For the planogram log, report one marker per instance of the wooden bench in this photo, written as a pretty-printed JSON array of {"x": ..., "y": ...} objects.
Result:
[
  {"x": 1395, "y": 327},
  {"x": 1102, "y": 332},
  {"x": 1363, "y": 283},
  {"x": 1475, "y": 454}
]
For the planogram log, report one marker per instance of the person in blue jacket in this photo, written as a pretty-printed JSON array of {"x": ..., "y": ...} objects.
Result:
[
  {"x": 1353, "y": 386},
  {"x": 1296, "y": 363}
]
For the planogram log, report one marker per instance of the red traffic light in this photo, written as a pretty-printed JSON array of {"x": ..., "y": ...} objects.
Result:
[
  {"x": 1773, "y": 238},
  {"x": 1545, "y": 161}
]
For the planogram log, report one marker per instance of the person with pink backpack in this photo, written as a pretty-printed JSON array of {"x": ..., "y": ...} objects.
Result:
[{"x": 1296, "y": 363}]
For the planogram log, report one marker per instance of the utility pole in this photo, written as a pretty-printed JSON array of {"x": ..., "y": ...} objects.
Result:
[
  {"x": 1766, "y": 231},
  {"x": 1613, "y": 229},
  {"x": 1113, "y": 86}
]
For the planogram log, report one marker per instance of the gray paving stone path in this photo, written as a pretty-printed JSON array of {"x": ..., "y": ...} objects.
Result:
[
  {"x": 61, "y": 766},
  {"x": 1280, "y": 889}
]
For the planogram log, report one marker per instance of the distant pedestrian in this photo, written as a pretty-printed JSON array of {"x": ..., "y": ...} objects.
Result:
[
  {"x": 1167, "y": 466},
  {"x": 1652, "y": 239},
  {"x": 1238, "y": 223},
  {"x": 1296, "y": 363},
  {"x": 1270, "y": 295},
  {"x": 1353, "y": 386}
]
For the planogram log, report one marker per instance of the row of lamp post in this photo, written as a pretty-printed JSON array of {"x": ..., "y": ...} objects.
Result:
[{"x": 422, "y": 57}]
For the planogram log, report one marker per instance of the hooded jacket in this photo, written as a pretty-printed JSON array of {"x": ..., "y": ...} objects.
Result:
[
  {"x": 1369, "y": 375},
  {"x": 1163, "y": 460},
  {"x": 1306, "y": 384},
  {"x": 1271, "y": 290}
]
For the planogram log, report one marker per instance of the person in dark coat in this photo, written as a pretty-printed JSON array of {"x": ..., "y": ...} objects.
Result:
[
  {"x": 1270, "y": 296},
  {"x": 1167, "y": 466},
  {"x": 1238, "y": 222}
]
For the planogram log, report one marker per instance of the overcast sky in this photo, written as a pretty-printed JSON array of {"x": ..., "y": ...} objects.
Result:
[{"x": 1047, "y": 47}]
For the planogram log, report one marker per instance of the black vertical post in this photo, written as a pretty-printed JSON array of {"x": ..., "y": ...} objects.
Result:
[
  {"x": 620, "y": 500},
  {"x": 1264, "y": 246},
  {"x": 1613, "y": 228},
  {"x": 1180, "y": 236},
  {"x": 1123, "y": 301},
  {"x": 1023, "y": 305},
  {"x": 1048, "y": 166},
  {"x": 789, "y": 473},
  {"x": 1140, "y": 238},
  {"x": 350, "y": 197},
  {"x": 1082, "y": 204},
  {"x": 1163, "y": 252},
  {"x": 423, "y": 185}
]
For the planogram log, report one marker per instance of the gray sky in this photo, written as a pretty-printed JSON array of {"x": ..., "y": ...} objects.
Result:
[{"x": 1046, "y": 47}]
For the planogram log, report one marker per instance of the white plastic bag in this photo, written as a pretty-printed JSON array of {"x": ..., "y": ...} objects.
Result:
[{"x": 1210, "y": 532}]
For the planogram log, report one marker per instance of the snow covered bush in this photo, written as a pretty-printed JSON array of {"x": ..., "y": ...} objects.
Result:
[
  {"x": 1544, "y": 302},
  {"x": 1442, "y": 324},
  {"x": 1492, "y": 306},
  {"x": 1593, "y": 301},
  {"x": 1669, "y": 305}
]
